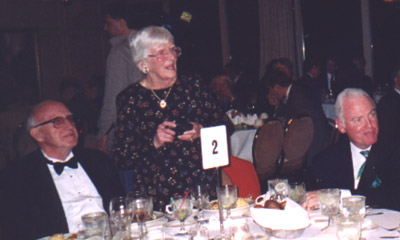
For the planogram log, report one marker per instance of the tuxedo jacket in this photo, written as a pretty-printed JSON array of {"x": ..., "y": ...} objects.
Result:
[
  {"x": 389, "y": 117},
  {"x": 300, "y": 103},
  {"x": 379, "y": 181},
  {"x": 30, "y": 205}
]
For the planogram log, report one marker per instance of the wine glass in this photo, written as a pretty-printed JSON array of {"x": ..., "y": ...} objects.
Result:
[
  {"x": 329, "y": 200},
  {"x": 120, "y": 217},
  {"x": 200, "y": 199},
  {"x": 228, "y": 195},
  {"x": 182, "y": 208},
  {"x": 141, "y": 208}
]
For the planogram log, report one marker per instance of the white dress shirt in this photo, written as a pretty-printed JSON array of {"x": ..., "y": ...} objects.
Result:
[
  {"x": 77, "y": 193},
  {"x": 358, "y": 160}
]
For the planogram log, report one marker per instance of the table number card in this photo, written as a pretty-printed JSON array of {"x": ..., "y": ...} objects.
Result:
[{"x": 214, "y": 147}]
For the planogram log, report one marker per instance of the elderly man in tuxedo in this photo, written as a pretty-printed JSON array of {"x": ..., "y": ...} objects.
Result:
[
  {"x": 47, "y": 191},
  {"x": 358, "y": 162}
]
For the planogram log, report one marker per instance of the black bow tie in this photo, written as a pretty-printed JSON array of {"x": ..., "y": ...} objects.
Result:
[{"x": 59, "y": 166}]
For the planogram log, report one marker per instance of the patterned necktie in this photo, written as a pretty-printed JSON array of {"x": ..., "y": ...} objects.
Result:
[
  {"x": 59, "y": 166},
  {"x": 365, "y": 154}
]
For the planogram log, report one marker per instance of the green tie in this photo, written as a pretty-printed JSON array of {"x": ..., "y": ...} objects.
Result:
[{"x": 365, "y": 154}]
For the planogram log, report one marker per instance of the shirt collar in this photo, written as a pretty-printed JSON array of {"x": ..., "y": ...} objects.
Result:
[
  {"x": 288, "y": 91},
  {"x": 70, "y": 155},
  {"x": 397, "y": 90},
  {"x": 357, "y": 149}
]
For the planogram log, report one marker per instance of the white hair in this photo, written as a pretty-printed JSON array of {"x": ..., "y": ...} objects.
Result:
[
  {"x": 348, "y": 93},
  {"x": 141, "y": 42}
]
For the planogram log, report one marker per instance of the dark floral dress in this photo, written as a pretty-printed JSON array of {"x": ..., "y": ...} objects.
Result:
[{"x": 175, "y": 167}]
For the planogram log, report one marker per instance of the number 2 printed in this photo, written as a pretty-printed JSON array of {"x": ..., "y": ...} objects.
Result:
[{"x": 215, "y": 144}]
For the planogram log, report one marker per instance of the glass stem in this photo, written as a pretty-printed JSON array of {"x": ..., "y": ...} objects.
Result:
[
  {"x": 141, "y": 230},
  {"x": 182, "y": 226}
]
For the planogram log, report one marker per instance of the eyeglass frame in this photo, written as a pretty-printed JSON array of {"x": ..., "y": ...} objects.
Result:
[
  {"x": 176, "y": 51},
  {"x": 69, "y": 118}
]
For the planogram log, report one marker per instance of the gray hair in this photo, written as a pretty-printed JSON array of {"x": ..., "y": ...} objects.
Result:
[
  {"x": 348, "y": 93},
  {"x": 149, "y": 36},
  {"x": 31, "y": 120}
]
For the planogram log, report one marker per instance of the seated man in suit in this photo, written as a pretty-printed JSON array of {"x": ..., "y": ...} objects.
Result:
[
  {"x": 389, "y": 111},
  {"x": 293, "y": 101},
  {"x": 358, "y": 162},
  {"x": 39, "y": 196}
]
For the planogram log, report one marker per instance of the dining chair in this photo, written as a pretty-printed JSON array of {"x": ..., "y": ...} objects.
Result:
[
  {"x": 267, "y": 149},
  {"x": 299, "y": 133},
  {"x": 243, "y": 175}
]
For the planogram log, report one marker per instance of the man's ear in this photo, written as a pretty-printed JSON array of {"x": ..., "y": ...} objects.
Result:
[
  {"x": 340, "y": 126},
  {"x": 36, "y": 134}
]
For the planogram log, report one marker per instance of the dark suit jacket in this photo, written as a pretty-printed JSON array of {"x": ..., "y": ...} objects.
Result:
[
  {"x": 313, "y": 85},
  {"x": 300, "y": 103},
  {"x": 333, "y": 168},
  {"x": 30, "y": 205},
  {"x": 389, "y": 117}
]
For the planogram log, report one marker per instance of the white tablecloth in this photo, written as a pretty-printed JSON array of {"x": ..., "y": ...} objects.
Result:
[
  {"x": 241, "y": 144},
  {"x": 388, "y": 219},
  {"x": 329, "y": 110}
]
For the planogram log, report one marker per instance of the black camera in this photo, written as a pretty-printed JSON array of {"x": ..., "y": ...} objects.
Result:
[{"x": 181, "y": 127}]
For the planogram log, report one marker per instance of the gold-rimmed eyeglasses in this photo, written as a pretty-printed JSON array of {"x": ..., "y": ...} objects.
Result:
[
  {"x": 163, "y": 54},
  {"x": 58, "y": 122}
]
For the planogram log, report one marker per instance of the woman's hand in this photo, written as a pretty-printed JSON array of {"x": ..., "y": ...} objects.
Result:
[
  {"x": 311, "y": 201},
  {"x": 164, "y": 134},
  {"x": 191, "y": 134}
]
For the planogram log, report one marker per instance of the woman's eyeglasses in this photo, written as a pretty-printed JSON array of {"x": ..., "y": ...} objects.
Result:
[
  {"x": 58, "y": 122},
  {"x": 163, "y": 54}
]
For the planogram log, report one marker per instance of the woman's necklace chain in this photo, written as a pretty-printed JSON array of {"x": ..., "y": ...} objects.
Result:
[{"x": 162, "y": 102}]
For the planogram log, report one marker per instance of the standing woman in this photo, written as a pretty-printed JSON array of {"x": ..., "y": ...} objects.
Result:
[{"x": 165, "y": 160}]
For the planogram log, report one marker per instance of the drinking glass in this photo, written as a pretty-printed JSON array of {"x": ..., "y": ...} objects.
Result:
[
  {"x": 96, "y": 220},
  {"x": 228, "y": 195},
  {"x": 329, "y": 201},
  {"x": 297, "y": 192},
  {"x": 200, "y": 199},
  {"x": 141, "y": 206},
  {"x": 354, "y": 206},
  {"x": 278, "y": 189},
  {"x": 120, "y": 217},
  {"x": 348, "y": 228},
  {"x": 182, "y": 208}
]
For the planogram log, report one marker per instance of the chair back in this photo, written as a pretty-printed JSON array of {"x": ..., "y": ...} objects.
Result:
[
  {"x": 267, "y": 148},
  {"x": 243, "y": 175},
  {"x": 299, "y": 134}
]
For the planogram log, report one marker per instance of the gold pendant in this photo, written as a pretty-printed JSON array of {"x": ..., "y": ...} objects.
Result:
[{"x": 163, "y": 104}]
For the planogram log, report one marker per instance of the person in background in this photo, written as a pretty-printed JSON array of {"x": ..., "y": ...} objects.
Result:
[
  {"x": 47, "y": 191},
  {"x": 328, "y": 77},
  {"x": 159, "y": 121},
  {"x": 389, "y": 111},
  {"x": 358, "y": 162},
  {"x": 120, "y": 71},
  {"x": 222, "y": 87},
  {"x": 310, "y": 78}
]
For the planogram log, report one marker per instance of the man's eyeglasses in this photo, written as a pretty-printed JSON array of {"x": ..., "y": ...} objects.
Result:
[
  {"x": 163, "y": 54},
  {"x": 58, "y": 122}
]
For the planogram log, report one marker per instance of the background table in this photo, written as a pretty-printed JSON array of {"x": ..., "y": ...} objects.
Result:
[{"x": 241, "y": 144}]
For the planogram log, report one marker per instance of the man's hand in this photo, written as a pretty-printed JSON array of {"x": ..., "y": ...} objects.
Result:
[{"x": 311, "y": 201}]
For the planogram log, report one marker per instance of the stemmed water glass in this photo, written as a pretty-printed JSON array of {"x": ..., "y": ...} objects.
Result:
[
  {"x": 182, "y": 208},
  {"x": 329, "y": 200},
  {"x": 229, "y": 197},
  {"x": 141, "y": 206},
  {"x": 200, "y": 200},
  {"x": 120, "y": 217}
]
